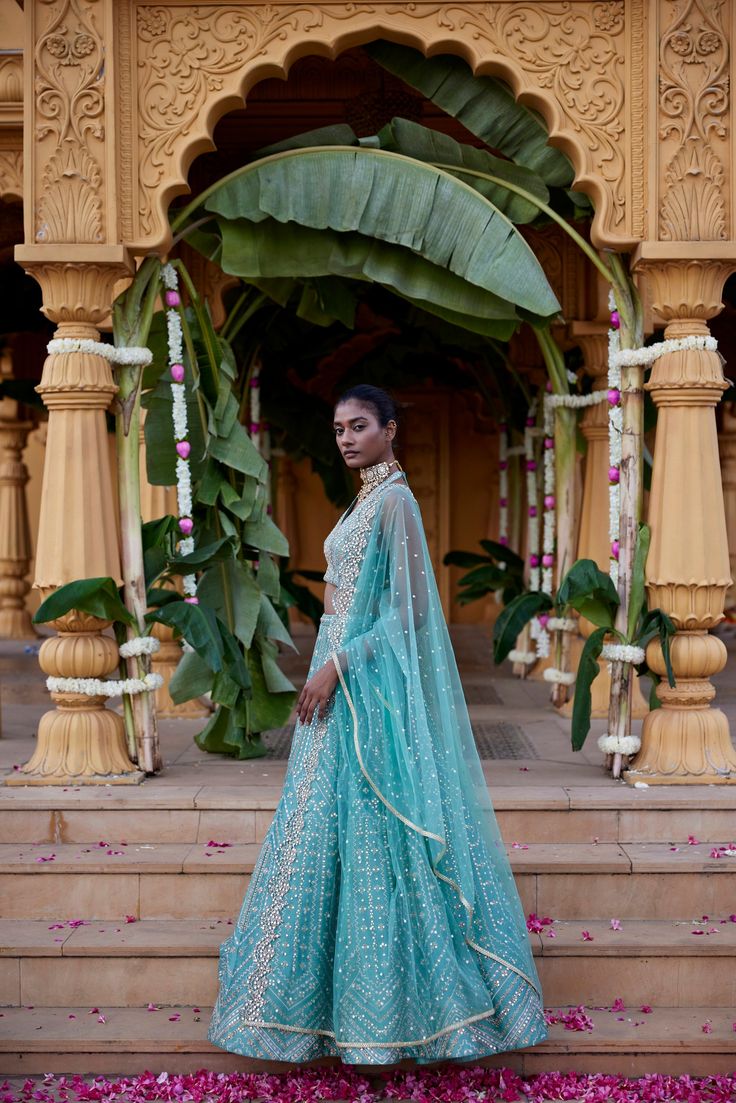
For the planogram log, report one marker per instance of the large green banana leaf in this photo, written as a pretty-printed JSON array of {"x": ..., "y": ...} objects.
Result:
[
  {"x": 433, "y": 147},
  {"x": 397, "y": 200},
  {"x": 485, "y": 106}
]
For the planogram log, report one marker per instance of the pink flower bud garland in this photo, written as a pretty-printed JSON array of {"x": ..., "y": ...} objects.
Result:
[{"x": 172, "y": 299}]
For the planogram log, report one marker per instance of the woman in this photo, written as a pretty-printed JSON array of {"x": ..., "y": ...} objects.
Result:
[{"x": 381, "y": 921}]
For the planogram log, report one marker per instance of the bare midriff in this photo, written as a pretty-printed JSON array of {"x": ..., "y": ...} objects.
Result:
[{"x": 329, "y": 595}]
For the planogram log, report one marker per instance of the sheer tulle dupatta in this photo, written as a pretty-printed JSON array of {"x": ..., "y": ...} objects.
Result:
[{"x": 401, "y": 708}]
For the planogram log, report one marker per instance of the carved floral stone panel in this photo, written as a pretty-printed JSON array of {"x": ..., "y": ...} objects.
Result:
[
  {"x": 69, "y": 125},
  {"x": 185, "y": 65},
  {"x": 693, "y": 119}
]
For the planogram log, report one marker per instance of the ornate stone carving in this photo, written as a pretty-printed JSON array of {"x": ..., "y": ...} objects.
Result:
[
  {"x": 11, "y": 174},
  {"x": 69, "y": 113},
  {"x": 564, "y": 59},
  {"x": 15, "y": 537},
  {"x": 11, "y": 88},
  {"x": 693, "y": 113}
]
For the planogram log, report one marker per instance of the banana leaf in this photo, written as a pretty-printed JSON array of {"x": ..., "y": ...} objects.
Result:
[
  {"x": 433, "y": 147},
  {"x": 396, "y": 200},
  {"x": 485, "y": 106}
]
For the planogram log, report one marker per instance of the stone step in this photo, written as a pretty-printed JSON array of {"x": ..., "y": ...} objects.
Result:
[
  {"x": 241, "y": 814},
  {"x": 69, "y": 1039},
  {"x": 167, "y": 962},
  {"x": 179, "y": 881}
]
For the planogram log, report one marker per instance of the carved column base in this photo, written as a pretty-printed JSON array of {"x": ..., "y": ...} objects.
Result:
[
  {"x": 686, "y": 742},
  {"x": 80, "y": 742},
  {"x": 15, "y": 620}
]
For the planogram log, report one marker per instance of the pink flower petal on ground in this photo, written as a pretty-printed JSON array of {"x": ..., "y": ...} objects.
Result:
[
  {"x": 646, "y": 1009},
  {"x": 536, "y": 922},
  {"x": 71, "y": 1016},
  {"x": 692, "y": 841},
  {"x": 130, "y": 919},
  {"x": 213, "y": 843},
  {"x": 587, "y": 936},
  {"x": 93, "y": 1011},
  {"x": 551, "y": 933},
  {"x": 707, "y": 1028},
  {"x": 618, "y": 1004},
  {"x": 101, "y": 1019},
  {"x": 56, "y": 927},
  {"x": 195, "y": 1010},
  {"x": 519, "y": 846},
  {"x": 152, "y": 1007},
  {"x": 715, "y": 852},
  {"x": 46, "y": 858},
  {"x": 524, "y": 769},
  {"x": 616, "y": 925},
  {"x": 174, "y": 1018},
  {"x": 697, "y": 932}
]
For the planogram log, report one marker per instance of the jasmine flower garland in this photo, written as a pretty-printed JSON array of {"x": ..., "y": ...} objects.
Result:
[
  {"x": 123, "y": 357},
  {"x": 170, "y": 280},
  {"x": 95, "y": 687}
]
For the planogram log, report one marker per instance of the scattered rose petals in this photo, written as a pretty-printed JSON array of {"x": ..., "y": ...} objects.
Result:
[
  {"x": 46, "y": 858},
  {"x": 152, "y": 1007},
  {"x": 71, "y": 1016},
  {"x": 519, "y": 846},
  {"x": 707, "y": 1028},
  {"x": 101, "y": 1019},
  {"x": 93, "y": 1011},
  {"x": 217, "y": 845},
  {"x": 618, "y": 1004},
  {"x": 130, "y": 919},
  {"x": 174, "y": 1018},
  {"x": 576, "y": 1019},
  {"x": 645, "y": 1007},
  {"x": 587, "y": 936},
  {"x": 616, "y": 925},
  {"x": 692, "y": 841},
  {"x": 537, "y": 923}
]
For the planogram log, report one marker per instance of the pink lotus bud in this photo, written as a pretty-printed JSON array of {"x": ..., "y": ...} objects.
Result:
[
  {"x": 531, "y": 465},
  {"x": 172, "y": 298},
  {"x": 549, "y": 501},
  {"x": 533, "y": 560},
  {"x": 532, "y": 511},
  {"x": 186, "y": 525},
  {"x": 183, "y": 449},
  {"x": 503, "y": 501},
  {"x": 548, "y": 560},
  {"x": 192, "y": 600},
  {"x": 255, "y": 426},
  {"x": 543, "y": 619},
  {"x": 177, "y": 372},
  {"x": 255, "y": 381},
  {"x": 614, "y": 396},
  {"x": 503, "y": 465},
  {"x": 531, "y": 422},
  {"x": 615, "y": 549},
  {"x": 503, "y": 540},
  {"x": 548, "y": 387},
  {"x": 613, "y": 475},
  {"x": 549, "y": 443},
  {"x": 615, "y": 319}
]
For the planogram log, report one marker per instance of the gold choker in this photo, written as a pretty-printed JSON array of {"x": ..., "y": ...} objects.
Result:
[{"x": 370, "y": 477}]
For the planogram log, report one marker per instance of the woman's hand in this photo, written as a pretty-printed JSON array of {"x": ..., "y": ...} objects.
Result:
[{"x": 316, "y": 693}]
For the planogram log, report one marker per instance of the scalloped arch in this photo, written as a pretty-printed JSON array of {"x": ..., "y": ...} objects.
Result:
[{"x": 196, "y": 62}]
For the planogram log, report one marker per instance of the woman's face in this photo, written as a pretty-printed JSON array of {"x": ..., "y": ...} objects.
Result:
[{"x": 361, "y": 438}]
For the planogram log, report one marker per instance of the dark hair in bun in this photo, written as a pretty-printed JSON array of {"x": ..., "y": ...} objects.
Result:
[{"x": 381, "y": 403}]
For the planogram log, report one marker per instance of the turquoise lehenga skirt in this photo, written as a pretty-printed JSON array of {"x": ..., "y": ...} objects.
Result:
[{"x": 348, "y": 944}]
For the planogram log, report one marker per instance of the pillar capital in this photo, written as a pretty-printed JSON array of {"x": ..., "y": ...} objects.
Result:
[{"x": 685, "y": 281}]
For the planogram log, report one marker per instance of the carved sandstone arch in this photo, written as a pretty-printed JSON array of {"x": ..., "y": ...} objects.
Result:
[{"x": 182, "y": 68}]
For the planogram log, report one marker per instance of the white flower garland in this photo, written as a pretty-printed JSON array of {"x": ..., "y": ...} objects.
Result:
[
  {"x": 123, "y": 357},
  {"x": 626, "y": 744},
  {"x": 139, "y": 645},
  {"x": 525, "y": 657},
  {"x": 623, "y": 653},
  {"x": 615, "y": 435},
  {"x": 95, "y": 687},
  {"x": 540, "y": 635},
  {"x": 179, "y": 416},
  {"x": 532, "y": 498},
  {"x": 627, "y": 358},
  {"x": 559, "y": 677},
  {"x": 562, "y": 624}
]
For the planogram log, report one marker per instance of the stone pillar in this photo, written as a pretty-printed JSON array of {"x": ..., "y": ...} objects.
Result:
[
  {"x": 15, "y": 537},
  {"x": 727, "y": 449},
  {"x": 81, "y": 741},
  {"x": 686, "y": 741},
  {"x": 593, "y": 536}
]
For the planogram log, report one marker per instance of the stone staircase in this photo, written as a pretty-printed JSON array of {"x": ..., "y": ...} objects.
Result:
[{"x": 157, "y": 901}]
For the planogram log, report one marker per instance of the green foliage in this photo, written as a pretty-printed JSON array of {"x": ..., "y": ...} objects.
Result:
[
  {"x": 590, "y": 592},
  {"x": 500, "y": 569},
  {"x": 99, "y": 597},
  {"x": 514, "y": 618},
  {"x": 588, "y": 670}
]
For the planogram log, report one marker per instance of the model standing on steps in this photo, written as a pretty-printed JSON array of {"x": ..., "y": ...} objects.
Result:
[{"x": 381, "y": 921}]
